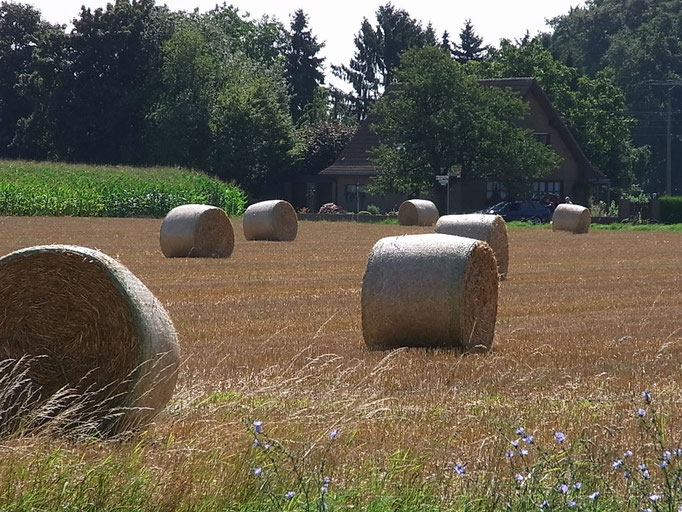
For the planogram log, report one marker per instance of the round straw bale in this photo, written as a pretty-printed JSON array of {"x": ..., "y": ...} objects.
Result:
[
  {"x": 430, "y": 290},
  {"x": 270, "y": 220},
  {"x": 196, "y": 231},
  {"x": 571, "y": 217},
  {"x": 489, "y": 228},
  {"x": 92, "y": 326},
  {"x": 417, "y": 212}
]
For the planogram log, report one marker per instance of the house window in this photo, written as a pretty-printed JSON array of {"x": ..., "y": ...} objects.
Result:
[
  {"x": 495, "y": 192},
  {"x": 542, "y": 138},
  {"x": 356, "y": 197}
]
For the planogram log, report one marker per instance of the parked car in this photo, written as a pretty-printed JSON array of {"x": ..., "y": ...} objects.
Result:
[{"x": 533, "y": 211}]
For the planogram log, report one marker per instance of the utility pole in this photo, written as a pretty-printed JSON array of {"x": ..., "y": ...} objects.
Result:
[{"x": 669, "y": 85}]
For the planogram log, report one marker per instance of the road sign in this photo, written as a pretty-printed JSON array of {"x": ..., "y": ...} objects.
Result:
[{"x": 443, "y": 179}]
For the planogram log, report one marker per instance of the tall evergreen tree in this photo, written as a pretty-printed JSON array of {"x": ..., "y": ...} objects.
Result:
[
  {"x": 303, "y": 67},
  {"x": 377, "y": 53},
  {"x": 470, "y": 45}
]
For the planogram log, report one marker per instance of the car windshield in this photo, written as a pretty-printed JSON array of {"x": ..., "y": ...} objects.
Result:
[{"x": 497, "y": 206}]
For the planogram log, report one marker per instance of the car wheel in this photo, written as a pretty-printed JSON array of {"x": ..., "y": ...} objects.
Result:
[{"x": 536, "y": 220}]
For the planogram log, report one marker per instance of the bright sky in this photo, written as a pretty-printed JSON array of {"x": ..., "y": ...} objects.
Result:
[{"x": 337, "y": 22}]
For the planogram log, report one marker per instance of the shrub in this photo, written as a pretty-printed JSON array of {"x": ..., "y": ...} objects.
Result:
[
  {"x": 671, "y": 209},
  {"x": 374, "y": 209}
]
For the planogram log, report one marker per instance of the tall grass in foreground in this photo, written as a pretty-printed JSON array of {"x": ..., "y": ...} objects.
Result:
[
  {"x": 265, "y": 469},
  {"x": 53, "y": 189}
]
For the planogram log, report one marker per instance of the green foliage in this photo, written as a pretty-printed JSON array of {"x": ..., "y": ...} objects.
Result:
[
  {"x": 319, "y": 144},
  {"x": 373, "y": 209},
  {"x": 634, "y": 41},
  {"x": 470, "y": 45},
  {"x": 29, "y": 188},
  {"x": 303, "y": 68},
  {"x": 671, "y": 209},
  {"x": 377, "y": 54},
  {"x": 594, "y": 109},
  {"x": 440, "y": 117}
]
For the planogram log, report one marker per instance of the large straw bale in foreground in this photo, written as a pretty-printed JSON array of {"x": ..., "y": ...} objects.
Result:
[
  {"x": 417, "y": 212},
  {"x": 430, "y": 290},
  {"x": 571, "y": 217},
  {"x": 196, "y": 231},
  {"x": 89, "y": 324},
  {"x": 270, "y": 220},
  {"x": 489, "y": 228}
]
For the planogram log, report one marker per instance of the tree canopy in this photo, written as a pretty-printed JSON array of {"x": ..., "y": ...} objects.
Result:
[{"x": 438, "y": 117}]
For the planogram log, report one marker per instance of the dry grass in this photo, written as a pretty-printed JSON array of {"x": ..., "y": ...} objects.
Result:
[{"x": 274, "y": 333}]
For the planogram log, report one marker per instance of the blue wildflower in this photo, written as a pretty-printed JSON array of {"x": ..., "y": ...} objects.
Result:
[
  {"x": 509, "y": 454},
  {"x": 646, "y": 475},
  {"x": 529, "y": 439},
  {"x": 460, "y": 468},
  {"x": 523, "y": 452},
  {"x": 594, "y": 495},
  {"x": 514, "y": 443},
  {"x": 258, "y": 426},
  {"x": 326, "y": 480},
  {"x": 519, "y": 478},
  {"x": 324, "y": 489},
  {"x": 266, "y": 447},
  {"x": 571, "y": 503},
  {"x": 544, "y": 504},
  {"x": 577, "y": 485},
  {"x": 667, "y": 455},
  {"x": 628, "y": 453},
  {"x": 563, "y": 488},
  {"x": 560, "y": 437},
  {"x": 641, "y": 413},
  {"x": 257, "y": 471},
  {"x": 520, "y": 431},
  {"x": 646, "y": 396},
  {"x": 627, "y": 475},
  {"x": 256, "y": 442},
  {"x": 334, "y": 433},
  {"x": 655, "y": 497},
  {"x": 663, "y": 464},
  {"x": 617, "y": 464},
  {"x": 290, "y": 495}
]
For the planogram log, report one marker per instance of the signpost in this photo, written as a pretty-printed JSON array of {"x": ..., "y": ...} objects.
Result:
[{"x": 444, "y": 180}]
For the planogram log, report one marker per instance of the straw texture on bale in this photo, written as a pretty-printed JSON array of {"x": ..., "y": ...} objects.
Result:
[
  {"x": 417, "y": 212},
  {"x": 90, "y": 325},
  {"x": 571, "y": 217},
  {"x": 430, "y": 290},
  {"x": 489, "y": 228},
  {"x": 270, "y": 220},
  {"x": 196, "y": 231}
]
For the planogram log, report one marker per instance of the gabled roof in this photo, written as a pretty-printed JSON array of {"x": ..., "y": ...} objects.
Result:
[
  {"x": 526, "y": 86},
  {"x": 355, "y": 159}
]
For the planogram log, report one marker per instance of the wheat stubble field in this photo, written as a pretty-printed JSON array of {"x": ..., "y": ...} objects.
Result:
[{"x": 585, "y": 323}]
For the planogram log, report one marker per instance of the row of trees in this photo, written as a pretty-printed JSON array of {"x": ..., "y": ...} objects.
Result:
[
  {"x": 136, "y": 83},
  {"x": 245, "y": 99}
]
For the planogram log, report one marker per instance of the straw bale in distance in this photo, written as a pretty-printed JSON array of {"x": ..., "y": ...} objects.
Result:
[
  {"x": 489, "y": 228},
  {"x": 417, "y": 212},
  {"x": 196, "y": 231},
  {"x": 430, "y": 290},
  {"x": 90, "y": 325},
  {"x": 571, "y": 217},
  {"x": 270, "y": 220}
]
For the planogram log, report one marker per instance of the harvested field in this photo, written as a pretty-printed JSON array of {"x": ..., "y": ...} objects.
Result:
[{"x": 585, "y": 323}]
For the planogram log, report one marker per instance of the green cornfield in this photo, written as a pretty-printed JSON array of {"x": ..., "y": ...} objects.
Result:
[{"x": 57, "y": 189}]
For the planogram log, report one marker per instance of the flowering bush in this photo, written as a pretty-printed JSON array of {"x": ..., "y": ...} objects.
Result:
[{"x": 330, "y": 208}]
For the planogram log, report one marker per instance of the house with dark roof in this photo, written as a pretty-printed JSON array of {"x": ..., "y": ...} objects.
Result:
[{"x": 346, "y": 180}]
